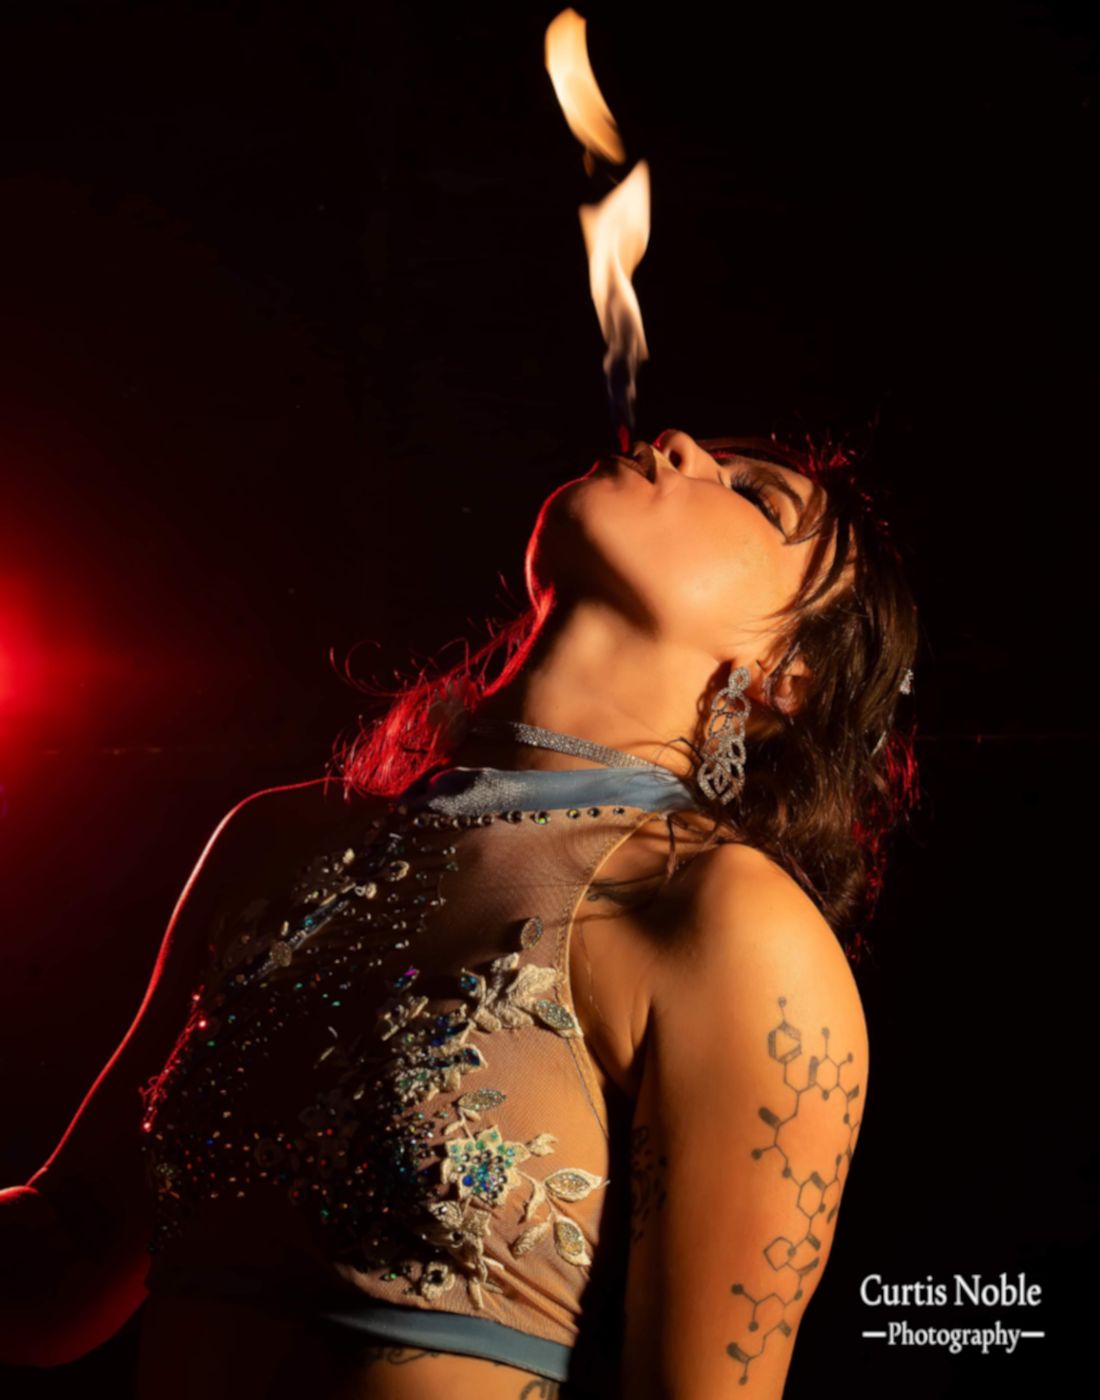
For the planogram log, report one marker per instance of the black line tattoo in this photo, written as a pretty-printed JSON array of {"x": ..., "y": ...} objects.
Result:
[
  {"x": 647, "y": 1180},
  {"x": 625, "y": 893},
  {"x": 537, "y": 1388},
  {"x": 816, "y": 1194},
  {"x": 397, "y": 1355}
]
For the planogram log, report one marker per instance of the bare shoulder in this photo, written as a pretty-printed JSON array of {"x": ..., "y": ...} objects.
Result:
[
  {"x": 745, "y": 925},
  {"x": 263, "y": 844},
  {"x": 313, "y": 802},
  {"x": 276, "y": 819}
]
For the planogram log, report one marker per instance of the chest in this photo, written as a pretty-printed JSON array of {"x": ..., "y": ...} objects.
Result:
[
  {"x": 620, "y": 925},
  {"x": 478, "y": 940}
]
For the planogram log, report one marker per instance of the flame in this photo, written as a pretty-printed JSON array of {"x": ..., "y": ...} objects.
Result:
[
  {"x": 587, "y": 113},
  {"x": 616, "y": 231}
]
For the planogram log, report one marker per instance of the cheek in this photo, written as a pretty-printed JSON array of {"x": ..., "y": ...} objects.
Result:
[{"x": 709, "y": 584}]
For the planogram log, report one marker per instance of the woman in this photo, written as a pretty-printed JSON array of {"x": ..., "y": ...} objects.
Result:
[{"x": 543, "y": 1073}]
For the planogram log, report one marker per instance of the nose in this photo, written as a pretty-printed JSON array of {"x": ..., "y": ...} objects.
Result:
[{"x": 684, "y": 452}]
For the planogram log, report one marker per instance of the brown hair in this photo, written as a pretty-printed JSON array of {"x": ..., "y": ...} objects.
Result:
[{"x": 825, "y": 786}]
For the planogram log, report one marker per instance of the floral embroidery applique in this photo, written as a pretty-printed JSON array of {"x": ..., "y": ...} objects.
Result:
[
  {"x": 401, "y": 1163},
  {"x": 482, "y": 1167},
  {"x": 502, "y": 1003}
]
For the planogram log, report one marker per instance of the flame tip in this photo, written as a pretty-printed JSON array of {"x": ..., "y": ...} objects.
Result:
[
  {"x": 579, "y": 96},
  {"x": 616, "y": 230}
]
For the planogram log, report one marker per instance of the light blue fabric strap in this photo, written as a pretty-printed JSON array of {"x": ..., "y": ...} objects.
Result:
[
  {"x": 386, "y": 1322},
  {"x": 452, "y": 1332},
  {"x": 455, "y": 791}
]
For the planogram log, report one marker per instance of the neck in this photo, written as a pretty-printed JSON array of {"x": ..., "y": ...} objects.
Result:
[{"x": 592, "y": 676}]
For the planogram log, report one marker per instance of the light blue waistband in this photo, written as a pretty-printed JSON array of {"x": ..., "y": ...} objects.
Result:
[
  {"x": 453, "y": 1332},
  {"x": 454, "y": 791},
  {"x": 387, "y": 1322}
]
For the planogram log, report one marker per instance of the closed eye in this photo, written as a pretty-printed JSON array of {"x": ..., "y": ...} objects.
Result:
[{"x": 745, "y": 485}]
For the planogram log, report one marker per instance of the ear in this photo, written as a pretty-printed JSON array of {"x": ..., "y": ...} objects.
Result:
[{"x": 789, "y": 690}]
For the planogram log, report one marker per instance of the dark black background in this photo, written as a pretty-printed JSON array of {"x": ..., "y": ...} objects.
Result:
[{"x": 296, "y": 338}]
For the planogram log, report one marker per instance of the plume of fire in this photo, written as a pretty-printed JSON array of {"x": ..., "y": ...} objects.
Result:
[
  {"x": 578, "y": 93},
  {"x": 616, "y": 231}
]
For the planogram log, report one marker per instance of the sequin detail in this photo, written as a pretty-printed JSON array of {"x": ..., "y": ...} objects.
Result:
[
  {"x": 531, "y": 932},
  {"x": 391, "y": 1155},
  {"x": 257, "y": 1001}
]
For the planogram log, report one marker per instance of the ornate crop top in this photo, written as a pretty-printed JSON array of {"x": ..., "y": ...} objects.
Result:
[{"x": 382, "y": 1107}]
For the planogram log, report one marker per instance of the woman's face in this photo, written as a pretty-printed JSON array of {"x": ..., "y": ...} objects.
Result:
[{"x": 699, "y": 555}]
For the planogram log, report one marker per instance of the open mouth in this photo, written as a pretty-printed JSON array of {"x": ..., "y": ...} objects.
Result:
[
  {"x": 636, "y": 464},
  {"x": 642, "y": 459},
  {"x": 631, "y": 462}
]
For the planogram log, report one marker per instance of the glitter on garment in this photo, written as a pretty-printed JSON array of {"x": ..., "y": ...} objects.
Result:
[{"x": 391, "y": 1045}]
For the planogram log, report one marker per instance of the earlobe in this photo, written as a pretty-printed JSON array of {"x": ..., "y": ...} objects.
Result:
[
  {"x": 787, "y": 691},
  {"x": 787, "y": 694}
]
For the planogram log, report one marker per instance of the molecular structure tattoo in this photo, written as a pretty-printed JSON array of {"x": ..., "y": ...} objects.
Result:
[{"x": 817, "y": 1195}]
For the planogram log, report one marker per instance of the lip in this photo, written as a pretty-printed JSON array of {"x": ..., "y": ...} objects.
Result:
[
  {"x": 643, "y": 464},
  {"x": 644, "y": 455},
  {"x": 617, "y": 461}
]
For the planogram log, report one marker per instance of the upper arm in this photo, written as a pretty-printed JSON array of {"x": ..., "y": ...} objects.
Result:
[
  {"x": 94, "y": 1178},
  {"x": 747, "y": 1115}
]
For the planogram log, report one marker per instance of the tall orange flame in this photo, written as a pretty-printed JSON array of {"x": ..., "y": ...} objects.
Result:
[
  {"x": 616, "y": 231},
  {"x": 578, "y": 93}
]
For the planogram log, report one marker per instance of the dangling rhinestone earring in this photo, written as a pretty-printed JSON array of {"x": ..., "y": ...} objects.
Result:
[{"x": 721, "y": 775}]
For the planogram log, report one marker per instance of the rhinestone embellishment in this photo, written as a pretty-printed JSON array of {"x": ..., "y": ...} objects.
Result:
[{"x": 392, "y": 1119}]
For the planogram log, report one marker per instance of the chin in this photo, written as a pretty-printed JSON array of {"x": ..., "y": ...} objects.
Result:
[
  {"x": 559, "y": 540},
  {"x": 579, "y": 549}
]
